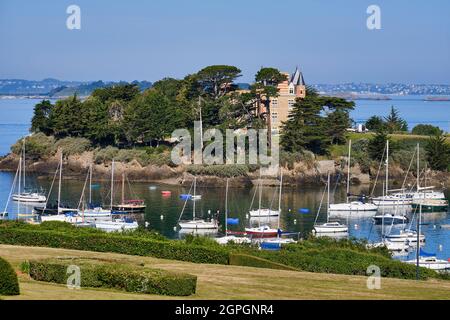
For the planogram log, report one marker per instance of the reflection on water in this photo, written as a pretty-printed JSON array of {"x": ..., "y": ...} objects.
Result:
[{"x": 162, "y": 212}]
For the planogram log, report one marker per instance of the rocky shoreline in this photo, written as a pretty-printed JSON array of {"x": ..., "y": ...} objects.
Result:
[{"x": 75, "y": 167}]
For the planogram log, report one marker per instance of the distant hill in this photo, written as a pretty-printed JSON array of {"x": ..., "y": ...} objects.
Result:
[{"x": 56, "y": 88}]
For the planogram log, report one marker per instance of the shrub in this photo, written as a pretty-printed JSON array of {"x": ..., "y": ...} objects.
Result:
[
  {"x": 105, "y": 154},
  {"x": 426, "y": 130},
  {"x": 9, "y": 285},
  {"x": 37, "y": 146},
  {"x": 95, "y": 240},
  {"x": 72, "y": 146},
  {"x": 100, "y": 274},
  {"x": 227, "y": 171}
]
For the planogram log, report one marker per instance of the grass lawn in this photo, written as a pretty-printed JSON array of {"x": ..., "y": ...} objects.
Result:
[{"x": 226, "y": 282}]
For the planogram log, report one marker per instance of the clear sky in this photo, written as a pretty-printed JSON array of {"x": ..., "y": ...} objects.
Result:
[{"x": 148, "y": 40}]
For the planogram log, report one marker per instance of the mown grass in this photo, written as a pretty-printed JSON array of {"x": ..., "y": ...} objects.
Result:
[{"x": 226, "y": 282}]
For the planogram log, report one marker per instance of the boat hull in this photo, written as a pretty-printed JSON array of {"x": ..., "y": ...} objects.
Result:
[{"x": 353, "y": 206}]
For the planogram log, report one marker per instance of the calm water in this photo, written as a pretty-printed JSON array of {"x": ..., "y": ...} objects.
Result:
[{"x": 162, "y": 213}]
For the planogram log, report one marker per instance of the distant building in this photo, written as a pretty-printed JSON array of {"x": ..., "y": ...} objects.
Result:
[
  {"x": 360, "y": 128},
  {"x": 280, "y": 107}
]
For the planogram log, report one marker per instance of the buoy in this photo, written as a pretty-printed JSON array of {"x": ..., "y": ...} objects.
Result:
[
  {"x": 290, "y": 210},
  {"x": 356, "y": 227},
  {"x": 161, "y": 217},
  {"x": 295, "y": 221},
  {"x": 166, "y": 193},
  {"x": 209, "y": 211},
  {"x": 175, "y": 228},
  {"x": 147, "y": 224},
  {"x": 440, "y": 247},
  {"x": 246, "y": 216}
]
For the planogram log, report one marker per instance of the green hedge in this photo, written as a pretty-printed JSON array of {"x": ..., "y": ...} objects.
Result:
[
  {"x": 9, "y": 285},
  {"x": 103, "y": 242},
  {"x": 246, "y": 260},
  {"x": 343, "y": 261},
  {"x": 98, "y": 274}
]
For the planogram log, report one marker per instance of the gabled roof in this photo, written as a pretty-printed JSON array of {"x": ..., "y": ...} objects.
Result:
[{"x": 297, "y": 78}]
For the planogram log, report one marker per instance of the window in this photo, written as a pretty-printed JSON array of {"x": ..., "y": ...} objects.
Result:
[
  {"x": 275, "y": 103},
  {"x": 290, "y": 104},
  {"x": 291, "y": 90}
]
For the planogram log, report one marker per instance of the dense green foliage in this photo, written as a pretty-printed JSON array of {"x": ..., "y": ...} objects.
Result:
[
  {"x": 438, "y": 152},
  {"x": 426, "y": 130},
  {"x": 9, "y": 285},
  {"x": 105, "y": 274},
  {"x": 313, "y": 254},
  {"x": 391, "y": 123},
  {"x": 228, "y": 171},
  {"x": 99, "y": 241},
  {"x": 315, "y": 123},
  {"x": 377, "y": 146}
]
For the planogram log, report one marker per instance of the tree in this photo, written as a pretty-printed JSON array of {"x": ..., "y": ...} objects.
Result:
[
  {"x": 122, "y": 92},
  {"x": 304, "y": 129},
  {"x": 151, "y": 118},
  {"x": 377, "y": 145},
  {"x": 67, "y": 118},
  {"x": 394, "y": 122},
  {"x": 438, "y": 152},
  {"x": 338, "y": 118},
  {"x": 216, "y": 80},
  {"x": 266, "y": 88},
  {"x": 375, "y": 123},
  {"x": 41, "y": 117},
  {"x": 426, "y": 130}
]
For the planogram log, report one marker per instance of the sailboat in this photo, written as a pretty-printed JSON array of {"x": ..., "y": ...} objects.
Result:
[
  {"x": 196, "y": 223},
  {"x": 230, "y": 238},
  {"x": 129, "y": 206},
  {"x": 70, "y": 217},
  {"x": 94, "y": 211},
  {"x": 23, "y": 195},
  {"x": 329, "y": 227},
  {"x": 391, "y": 197},
  {"x": 54, "y": 208},
  {"x": 266, "y": 212},
  {"x": 350, "y": 206},
  {"x": 394, "y": 243},
  {"x": 265, "y": 230}
]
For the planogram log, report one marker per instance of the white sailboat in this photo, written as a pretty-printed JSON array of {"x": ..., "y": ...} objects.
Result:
[
  {"x": 391, "y": 197},
  {"x": 265, "y": 212},
  {"x": 350, "y": 206},
  {"x": 329, "y": 227},
  {"x": 196, "y": 223},
  {"x": 230, "y": 238},
  {"x": 22, "y": 195},
  {"x": 431, "y": 263},
  {"x": 96, "y": 211},
  {"x": 70, "y": 217},
  {"x": 265, "y": 230}
]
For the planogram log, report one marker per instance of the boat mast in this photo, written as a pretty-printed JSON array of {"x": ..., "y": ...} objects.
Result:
[
  {"x": 387, "y": 167},
  {"x": 348, "y": 169},
  {"x": 123, "y": 187},
  {"x": 226, "y": 208},
  {"x": 60, "y": 178},
  {"x": 259, "y": 201},
  {"x": 193, "y": 199},
  {"x": 201, "y": 121},
  {"x": 328, "y": 197},
  {"x": 418, "y": 236},
  {"x": 90, "y": 183},
  {"x": 112, "y": 183},
  {"x": 418, "y": 169},
  {"x": 279, "y": 197},
  {"x": 24, "y": 163},
  {"x": 19, "y": 186}
]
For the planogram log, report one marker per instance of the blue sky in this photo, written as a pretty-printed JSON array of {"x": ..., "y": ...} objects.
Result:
[{"x": 147, "y": 40}]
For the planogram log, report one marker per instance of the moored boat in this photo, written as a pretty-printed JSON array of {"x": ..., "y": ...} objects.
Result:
[{"x": 431, "y": 205}]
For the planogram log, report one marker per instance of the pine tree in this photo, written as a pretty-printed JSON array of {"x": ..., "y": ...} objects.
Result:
[
  {"x": 438, "y": 152},
  {"x": 377, "y": 145}
]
